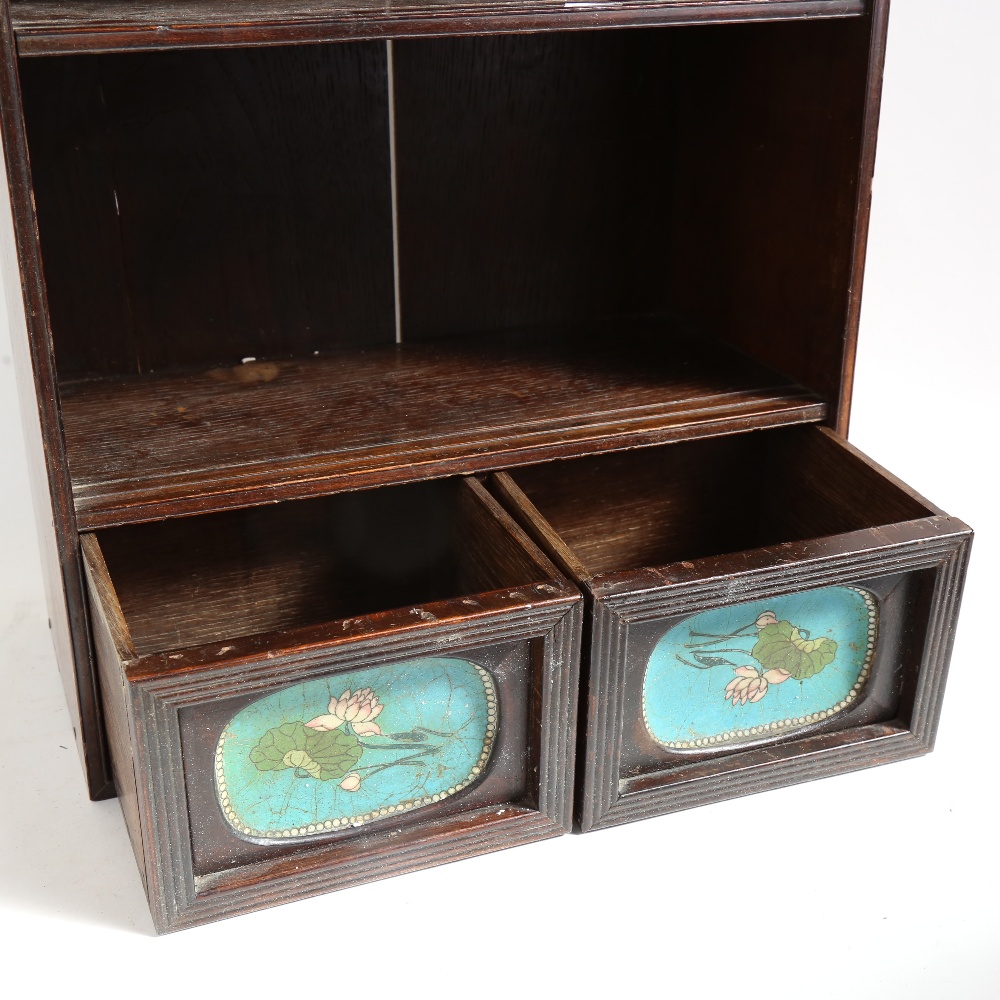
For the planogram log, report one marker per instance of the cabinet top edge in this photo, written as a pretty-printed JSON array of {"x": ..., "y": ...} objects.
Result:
[{"x": 55, "y": 27}]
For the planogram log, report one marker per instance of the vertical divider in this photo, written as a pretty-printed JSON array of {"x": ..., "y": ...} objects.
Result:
[{"x": 391, "y": 84}]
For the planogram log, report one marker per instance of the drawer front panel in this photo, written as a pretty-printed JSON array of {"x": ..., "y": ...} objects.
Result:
[{"x": 913, "y": 576}]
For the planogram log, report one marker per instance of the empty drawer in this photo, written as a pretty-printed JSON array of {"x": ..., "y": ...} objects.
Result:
[
  {"x": 314, "y": 694},
  {"x": 764, "y": 608}
]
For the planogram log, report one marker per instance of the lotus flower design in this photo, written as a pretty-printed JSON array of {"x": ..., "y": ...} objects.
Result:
[
  {"x": 330, "y": 747},
  {"x": 359, "y": 709},
  {"x": 780, "y": 650}
]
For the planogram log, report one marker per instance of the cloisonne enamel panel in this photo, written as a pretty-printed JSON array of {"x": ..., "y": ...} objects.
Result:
[
  {"x": 339, "y": 752},
  {"x": 759, "y": 669}
]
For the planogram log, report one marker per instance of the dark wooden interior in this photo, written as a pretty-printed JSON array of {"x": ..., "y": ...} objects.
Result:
[
  {"x": 706, "y": 498},
  {"x": 587, "y": 225},
  {"x": 202, "y": 207},
  {"x": 190, "y": 581},
  {"x": 707, "y": 174}
]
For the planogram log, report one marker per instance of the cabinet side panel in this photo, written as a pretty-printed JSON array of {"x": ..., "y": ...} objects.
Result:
[
  {"x": 32, "y": 348},
  {"x": 876, "y": 66},
  {"x": 771, "y": 120},
  {"x": 114, "y": 696}
]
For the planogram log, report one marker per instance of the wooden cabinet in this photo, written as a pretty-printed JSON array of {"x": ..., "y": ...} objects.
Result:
[{"x": 292, "y": 270}]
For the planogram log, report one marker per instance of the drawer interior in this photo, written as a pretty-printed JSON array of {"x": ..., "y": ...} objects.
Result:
[
  {"x": 196, "y": 580},
  {"x": 655, "y": 506}
]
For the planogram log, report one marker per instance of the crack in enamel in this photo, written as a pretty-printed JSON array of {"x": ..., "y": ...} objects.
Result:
[{"x": 347, "y": 820}]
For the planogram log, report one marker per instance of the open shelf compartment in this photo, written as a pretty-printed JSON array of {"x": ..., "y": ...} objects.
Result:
[{"x": 437, "y": 257}]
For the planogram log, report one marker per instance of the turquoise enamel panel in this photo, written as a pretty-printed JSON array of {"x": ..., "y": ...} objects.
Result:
[
  {"x": 758, "y": 670},
  {"x": 339, "y": 752}
]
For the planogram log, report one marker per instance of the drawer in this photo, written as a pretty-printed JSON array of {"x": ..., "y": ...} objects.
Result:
[
  {"x": 310, "y": 695},
  {"x": 763, "y": 609}
]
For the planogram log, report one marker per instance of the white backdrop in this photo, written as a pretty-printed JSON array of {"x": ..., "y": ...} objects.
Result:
[{"x": 891, "y": 889}]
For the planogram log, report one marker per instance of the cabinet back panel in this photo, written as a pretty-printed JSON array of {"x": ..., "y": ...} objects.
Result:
[
  {"x": 201, "y": 207},
  {"x": 706, "y": 172},
  {"x": 531, "y": 179}
]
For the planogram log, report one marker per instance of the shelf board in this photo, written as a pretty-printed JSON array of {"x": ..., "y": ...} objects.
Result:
[
  {"x": 57, "y": 26},
  {"x": 144, "y": 448}
]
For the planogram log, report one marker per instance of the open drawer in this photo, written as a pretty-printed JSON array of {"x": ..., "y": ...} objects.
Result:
[
  {"x": 277, "y": 732},
  {"x": 765, "y": 608}
]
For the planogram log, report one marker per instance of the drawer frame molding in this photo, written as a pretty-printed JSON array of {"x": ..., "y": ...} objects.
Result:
[
  {"x": 145, "y": 696},
  {"x": 939, "y": 544}
]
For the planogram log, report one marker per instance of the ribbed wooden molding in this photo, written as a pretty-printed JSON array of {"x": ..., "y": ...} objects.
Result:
[
  {"x": 44, "y": 27},
  {"x": 939, "y": 544},
  {"x": 181, "y": 899}
]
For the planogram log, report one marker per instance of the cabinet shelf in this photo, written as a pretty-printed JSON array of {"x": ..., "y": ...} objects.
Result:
[
  {"x": 148, "y": 447},
  {"x": 53, "y": 26}
]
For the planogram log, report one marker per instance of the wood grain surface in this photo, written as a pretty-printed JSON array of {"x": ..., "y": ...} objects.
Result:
[
  {"x": 47, "y": 26},
  {"x": 196, "y": 208},
  {"x": 144, "y": 448},
  {"x": 769, "y": 125},
  {"x": 534, "y": 179},
  {"x": 186, "y": 582},
  {"x": 623, "y": 511}
]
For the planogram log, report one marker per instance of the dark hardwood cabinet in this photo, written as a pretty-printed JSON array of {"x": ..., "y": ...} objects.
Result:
[{"x": 401, "y": 378}]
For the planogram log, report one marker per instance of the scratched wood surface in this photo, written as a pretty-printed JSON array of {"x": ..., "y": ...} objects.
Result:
[
  {"x": 146, "y": 447},
  {"x": 48, "y": 26},
  {"x": 185, "y": 582}
]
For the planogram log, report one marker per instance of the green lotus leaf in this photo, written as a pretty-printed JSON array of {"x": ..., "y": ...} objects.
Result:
[
  {"x": 780, "y": 646},
  {"x": 334, "y": 753},
  {"x": 269, "y": 753}
]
